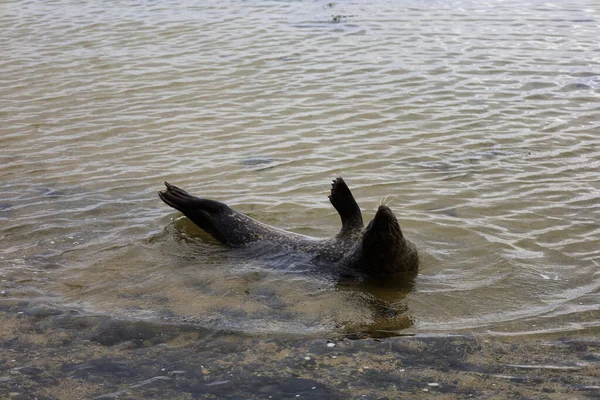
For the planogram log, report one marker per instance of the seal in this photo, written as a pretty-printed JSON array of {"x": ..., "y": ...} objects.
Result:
[{"x": 379, "y": 249}]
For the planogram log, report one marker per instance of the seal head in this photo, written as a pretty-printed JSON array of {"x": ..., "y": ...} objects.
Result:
[{"x": 382, "y": 249}]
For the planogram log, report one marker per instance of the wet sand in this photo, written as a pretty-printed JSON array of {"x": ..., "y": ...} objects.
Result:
[{"x": 48, "y": 353}]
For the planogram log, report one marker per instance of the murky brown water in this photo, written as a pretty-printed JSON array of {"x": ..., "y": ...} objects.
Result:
[{"x": 479, "y": 122}]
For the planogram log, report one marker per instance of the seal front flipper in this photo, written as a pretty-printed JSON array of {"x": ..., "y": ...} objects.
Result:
[{"x": 342, "y": 200}]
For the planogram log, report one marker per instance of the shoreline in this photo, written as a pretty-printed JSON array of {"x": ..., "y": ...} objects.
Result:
[{"x": 49, "y": 353}]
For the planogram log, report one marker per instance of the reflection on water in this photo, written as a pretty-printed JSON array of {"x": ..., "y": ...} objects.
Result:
[{"x": 476, "y": 121}]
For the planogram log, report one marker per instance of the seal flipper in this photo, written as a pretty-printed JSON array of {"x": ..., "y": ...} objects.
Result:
[
  {"x": 185, "y": 202},
  {"x": 342, "y": 200},
  {"x": 202, "y": 212}
]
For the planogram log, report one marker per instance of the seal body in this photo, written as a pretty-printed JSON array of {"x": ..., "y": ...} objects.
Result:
[{"x": 378, "y": 249}]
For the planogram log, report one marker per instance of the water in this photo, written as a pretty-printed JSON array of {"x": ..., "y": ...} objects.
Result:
[{"x": 477, "y": 122}]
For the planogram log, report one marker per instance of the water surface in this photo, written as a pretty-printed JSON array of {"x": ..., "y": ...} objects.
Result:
[{"x": 477, "y": 122}]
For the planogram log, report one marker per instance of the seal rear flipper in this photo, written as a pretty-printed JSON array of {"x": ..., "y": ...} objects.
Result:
[
  {"x": 184, "y": 202},
  {"x": 202, "y": 212},
  {"x": 342, "y": 200},
  {"x": 175, "y": 189}
]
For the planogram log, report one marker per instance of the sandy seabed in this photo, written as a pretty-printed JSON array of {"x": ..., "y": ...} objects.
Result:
[{"x": 50, "y": 353}]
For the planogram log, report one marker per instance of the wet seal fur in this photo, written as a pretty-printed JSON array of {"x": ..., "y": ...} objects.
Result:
[{"x": 379, "y": 249}]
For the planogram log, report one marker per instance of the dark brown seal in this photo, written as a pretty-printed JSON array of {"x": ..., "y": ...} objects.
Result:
[{"x": 378, "y": 249}]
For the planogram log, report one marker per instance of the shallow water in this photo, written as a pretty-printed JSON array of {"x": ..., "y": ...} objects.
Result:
[{"x": 477, "y": 122}]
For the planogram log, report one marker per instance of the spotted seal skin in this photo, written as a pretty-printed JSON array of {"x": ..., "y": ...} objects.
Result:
[{"x": 379, "y": 249}]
